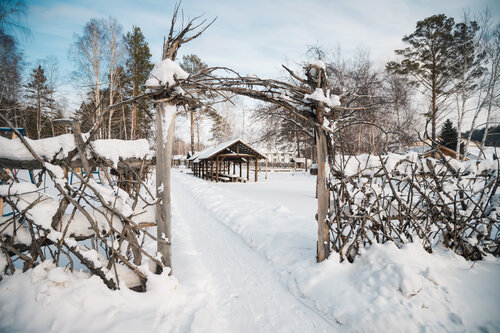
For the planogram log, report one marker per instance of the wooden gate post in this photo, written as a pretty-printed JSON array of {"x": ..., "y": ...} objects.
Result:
[
  {"x": 165, "y": 114},
  {"x": 323, "y": 246}
]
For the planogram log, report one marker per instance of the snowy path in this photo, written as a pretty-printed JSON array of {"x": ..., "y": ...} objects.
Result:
[{"x": 244, "y": 288}]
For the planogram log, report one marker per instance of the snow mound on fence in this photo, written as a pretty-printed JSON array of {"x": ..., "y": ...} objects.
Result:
[
  {"x": 114, "y": 149},
  {"x": 55, "y": 147},
  {"x": 58, "y": 147},
  {"x": 371, "y": 165},
  {"x": 385, "y": 289}
]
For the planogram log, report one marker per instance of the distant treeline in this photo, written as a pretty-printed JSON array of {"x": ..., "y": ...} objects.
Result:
[{"x": 492, "y": 139}]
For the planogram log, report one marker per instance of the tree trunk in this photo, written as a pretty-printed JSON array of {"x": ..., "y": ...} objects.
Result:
[
  {"x": 39, "y": 116},
  {"x": 198, "y": 133},
  {"x": 192, "y": 131},
  {"x": 460, "y": 119},
  {"x": 323, "y": 246},
  {"x": 434, "y": 114},
  {"x": 491, "y": 97},
  {"x": 165, "y": 116},
  {"x": 134, "y": 115}
]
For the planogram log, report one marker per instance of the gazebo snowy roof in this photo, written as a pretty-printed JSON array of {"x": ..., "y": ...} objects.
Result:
[{"x": 234, "y": 149}]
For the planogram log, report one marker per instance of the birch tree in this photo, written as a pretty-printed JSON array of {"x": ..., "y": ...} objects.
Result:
[
  {"x": 115, "y": 55},
  {"x": 493, "y": 81},
  {"x": 468, "y": 67},
  {"x": 88, "y": 54}
]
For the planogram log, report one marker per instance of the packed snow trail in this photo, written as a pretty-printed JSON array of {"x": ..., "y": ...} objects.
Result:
[{"x": 244, "y": 287}]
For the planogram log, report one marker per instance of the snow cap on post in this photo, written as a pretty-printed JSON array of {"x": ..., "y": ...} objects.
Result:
[{"x": 163, "y": 74}]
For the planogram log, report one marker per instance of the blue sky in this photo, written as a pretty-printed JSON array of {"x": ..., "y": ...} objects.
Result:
[{"x": 250, "y": 36}]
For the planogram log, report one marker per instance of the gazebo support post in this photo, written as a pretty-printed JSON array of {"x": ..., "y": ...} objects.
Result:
[
  {"x": 256, "y": 167},
  {"x": 248, "y": 169},
  {"x": 217, "y": 169},
  {"x": 212, "y": 170}
]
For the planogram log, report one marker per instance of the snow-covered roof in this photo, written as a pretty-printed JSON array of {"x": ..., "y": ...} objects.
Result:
[
  {"x": 242, "y": 148},
  {"x": 179, "y": 157}
]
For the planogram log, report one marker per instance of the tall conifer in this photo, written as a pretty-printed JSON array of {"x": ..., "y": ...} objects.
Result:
[{"x": 138, "y": 68}]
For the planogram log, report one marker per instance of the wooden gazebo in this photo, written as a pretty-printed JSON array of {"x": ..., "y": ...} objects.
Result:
[{"x": 225, "y": 161}]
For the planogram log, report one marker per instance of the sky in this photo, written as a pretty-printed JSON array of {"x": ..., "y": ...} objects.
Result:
[{"x": 256, "y": 36}]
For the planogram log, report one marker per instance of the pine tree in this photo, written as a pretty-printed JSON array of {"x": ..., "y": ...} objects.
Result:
[
  {"x": 38, "y": 95},
  {"x": 429, "y": 59},
  {"x": 192, "y": 64},
  {"x": 138, "y": 68},
  {"x": 448, "y": 135},
  {"x": 221, "y": 128}
]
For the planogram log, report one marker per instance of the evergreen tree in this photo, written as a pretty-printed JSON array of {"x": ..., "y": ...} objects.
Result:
[
  {"x": 448, "y": 135},
  {"x": 221, "y": 129},
  {"x": 11, "y": 59},
  {"x": 38, "y": 96},
  {"x": 429, "y": 59},
  {"x": 138, "y": 66},
  {"x": 192, "y": 64}
]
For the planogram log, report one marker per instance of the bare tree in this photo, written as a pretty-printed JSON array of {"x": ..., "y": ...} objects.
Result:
[
  {"x": 51, "y": 67},
  {"x": 115, "y": 55},
  {"x": 402, "y": 118},
  {"x": 493, "y": 86},
  {"x": 88, "y": 54},
  {"x": 468, "y": 68},
  {"x": 11, "y": 58},
  {"x": 488, "y": 85}
]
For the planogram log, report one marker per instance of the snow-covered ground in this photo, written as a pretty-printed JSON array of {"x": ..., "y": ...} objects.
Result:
[{"x": 244, "y": 261}]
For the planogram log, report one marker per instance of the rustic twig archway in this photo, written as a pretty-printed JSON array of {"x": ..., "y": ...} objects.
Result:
[{"x": 307, "y": 98}]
